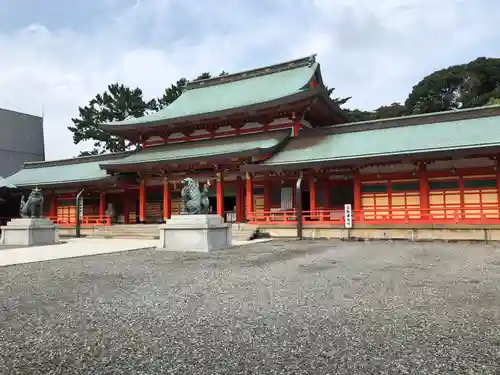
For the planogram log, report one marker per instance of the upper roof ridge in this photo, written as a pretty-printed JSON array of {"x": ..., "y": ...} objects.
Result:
[{"x": 246, "y": 74}]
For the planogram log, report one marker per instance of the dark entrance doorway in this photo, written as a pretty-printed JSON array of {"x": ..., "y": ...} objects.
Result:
[
  {"x": 230, "y": 204},
  {"x": 9, "y": 204},
  {"x": 306, "y": 202},
  {"x": 341, "y": 193}
]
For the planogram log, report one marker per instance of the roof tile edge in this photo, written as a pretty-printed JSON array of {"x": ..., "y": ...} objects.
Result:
[
  {"x": 256, "y": 72},
  {"x": 412, "y": 120},
  {"x": 76, "y": 160}
]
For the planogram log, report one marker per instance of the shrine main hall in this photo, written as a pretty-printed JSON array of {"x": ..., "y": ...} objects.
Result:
[{"x": 274, "y": 148}]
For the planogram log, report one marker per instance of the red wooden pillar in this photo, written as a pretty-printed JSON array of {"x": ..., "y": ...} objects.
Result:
[
  {"x": 219, "y": 191},
  {"x": 53, "y": 207},
  {"x": 389, "y": 198},
  {"x": 167, "y": 200},
  {"x": 142, "y": 200},
  {"x": 242, "y": 198},
  {"x": 462, "y": 196},
  {"x": 267, "y": 195},
  {"x": 102, "y": 204},
  {"x": 126, "y": 206},
  {"x": 326, "y": 194},
  {"x": 249, "y": 196},
  {"x": 424, "y": 190},
  {"x": 312, "y": 195},
  {"x": 498, "y": 183},
  {"x": 357, "y": 199},
  {"x": 240, "y": 215},
  {"x": 296, "y": 128}
]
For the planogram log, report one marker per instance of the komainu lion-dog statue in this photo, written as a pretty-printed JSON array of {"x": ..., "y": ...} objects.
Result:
[{"x": 33, "y": 207}]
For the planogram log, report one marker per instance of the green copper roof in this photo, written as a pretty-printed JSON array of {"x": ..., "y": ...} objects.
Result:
[
  {"x": 61, "y": 172},
  {"x": 253, "y": 144},
  {"x": 234, "y": 91},
  {"x": 399, "y": 140},
  {"x": 3, "y": 184},
  {"x": 54, "y": 175}
]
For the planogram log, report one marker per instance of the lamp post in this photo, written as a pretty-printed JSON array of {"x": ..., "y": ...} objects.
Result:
[
  {"x": 298, "y": 205},
  {"x": 78, "y": 206}
]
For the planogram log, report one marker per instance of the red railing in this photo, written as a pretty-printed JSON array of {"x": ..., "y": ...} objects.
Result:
[
  {"x": 85, "y": 221},
  {"x": 478, "y": 214},
  {"x": 89, "y": 221},
  {"x": 290, "y": 217}
]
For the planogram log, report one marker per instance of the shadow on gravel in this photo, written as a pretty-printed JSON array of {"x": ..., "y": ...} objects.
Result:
[
  {"x": 283, "y": 252},
  {"x": 324, "y": 265},
  {"x": 251, "y": 255},
  {"x": 403, "y": 267}
]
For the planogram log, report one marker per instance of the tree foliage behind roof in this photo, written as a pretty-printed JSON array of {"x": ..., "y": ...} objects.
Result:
[
  {"x": 468, "y": 85},
  {"x": 474, "y": 84},
  {"x": 118, "y": 102},
  {"x": 385, "y": 111}
]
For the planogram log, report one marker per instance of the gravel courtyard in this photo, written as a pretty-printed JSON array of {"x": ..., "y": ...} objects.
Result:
[{"x": 282, "y": 307}]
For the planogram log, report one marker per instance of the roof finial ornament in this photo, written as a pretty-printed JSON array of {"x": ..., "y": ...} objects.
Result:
[
  {"x": 184, "y": 87},
  {"x": 312, "y": 60}
]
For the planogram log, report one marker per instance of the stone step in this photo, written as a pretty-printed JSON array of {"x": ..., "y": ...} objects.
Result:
[
  {"x": 127, "y": 229},
  {"x": 152, "y": 232},
  {"x": 238, "y": 236},
  {"x": 155, "y": 230},
  {"x": 124, "y": 235}
]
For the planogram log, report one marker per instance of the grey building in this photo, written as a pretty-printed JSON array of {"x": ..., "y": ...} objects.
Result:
[{"x": 21, "y": 140}]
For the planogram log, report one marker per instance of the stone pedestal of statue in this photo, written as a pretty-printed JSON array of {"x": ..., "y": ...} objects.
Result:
[
  {"x": 29, "y": 232},
  {"x": 201, "y": 233}
]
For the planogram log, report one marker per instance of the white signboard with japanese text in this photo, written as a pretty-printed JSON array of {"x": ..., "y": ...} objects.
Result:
[{"x": 348, "y": 216}]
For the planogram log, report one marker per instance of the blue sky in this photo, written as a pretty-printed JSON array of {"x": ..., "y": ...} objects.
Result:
[{"x": 58, "y": 54}]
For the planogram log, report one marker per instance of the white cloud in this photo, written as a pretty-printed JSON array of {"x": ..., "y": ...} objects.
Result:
[{"x": 373, "y": 51}]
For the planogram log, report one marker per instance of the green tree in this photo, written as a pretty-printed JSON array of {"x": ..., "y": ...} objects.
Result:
[
  {"x": 460, "y": 86},
  {"x": 117, "y": 103},
  {"x": 383, "y": 112},
  {"x": 390, "y": 111},
  {"x": 493, "y": 101},
  {"x": 358, "y": 115},
  {"x": 339, "y": 101}
]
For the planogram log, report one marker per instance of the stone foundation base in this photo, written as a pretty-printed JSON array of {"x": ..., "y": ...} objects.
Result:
[
  {"x": 29, "y": 232},
  {"x": 201, "y": 233},
  {"x": 432, "y": 233}
]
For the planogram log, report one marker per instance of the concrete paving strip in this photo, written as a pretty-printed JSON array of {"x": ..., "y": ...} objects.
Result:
[
  {"x": 79, "y": 247},
  {"x": 74, "y": 247}
]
